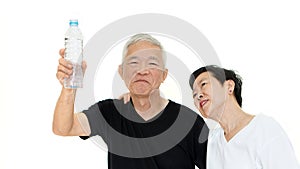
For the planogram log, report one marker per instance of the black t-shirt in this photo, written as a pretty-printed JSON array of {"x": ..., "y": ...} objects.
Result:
[{"x": 176, "y": 138}]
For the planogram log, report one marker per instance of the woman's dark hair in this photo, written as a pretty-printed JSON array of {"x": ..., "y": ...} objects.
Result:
[{"x": 221, "y": 75}]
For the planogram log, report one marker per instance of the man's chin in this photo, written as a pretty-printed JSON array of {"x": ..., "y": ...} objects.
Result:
[
  {"x": 141, "y": 93},
  {"x": 141, "y": 90}
]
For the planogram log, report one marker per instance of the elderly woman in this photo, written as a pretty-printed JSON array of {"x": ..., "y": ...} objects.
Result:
[{"x": 243, "y": 140}]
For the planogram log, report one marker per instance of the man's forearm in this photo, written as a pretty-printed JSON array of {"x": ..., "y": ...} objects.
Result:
[{"x": 64, "y": 112}]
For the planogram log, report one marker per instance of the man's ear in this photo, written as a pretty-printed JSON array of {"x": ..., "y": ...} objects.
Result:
[
  {"x": 120, "y": 70},
  {"x": 165, "y": 74}
]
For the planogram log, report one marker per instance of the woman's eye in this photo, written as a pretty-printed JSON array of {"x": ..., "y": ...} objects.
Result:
[{"x": 194, "y": 95}]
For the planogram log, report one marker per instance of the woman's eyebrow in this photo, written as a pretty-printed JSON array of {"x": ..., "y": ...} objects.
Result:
[{"x": 200, "y": 81}]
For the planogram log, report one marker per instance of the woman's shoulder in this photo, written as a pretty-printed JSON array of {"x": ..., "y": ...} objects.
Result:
[
  {"x": 266, "y": 121},
  {"x": 267, "y": 126}
]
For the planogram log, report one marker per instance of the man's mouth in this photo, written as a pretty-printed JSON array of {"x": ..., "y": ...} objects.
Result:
[{"x": 141, "y": 80}]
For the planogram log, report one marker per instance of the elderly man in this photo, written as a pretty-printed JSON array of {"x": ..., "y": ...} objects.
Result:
[{"x": 149, "y": 132}]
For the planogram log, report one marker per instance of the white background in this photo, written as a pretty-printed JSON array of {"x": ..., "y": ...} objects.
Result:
[{"x": 258, "y": 38}]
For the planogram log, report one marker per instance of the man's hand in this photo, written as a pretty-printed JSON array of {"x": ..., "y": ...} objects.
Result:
[{"x": 65, "y": 68}]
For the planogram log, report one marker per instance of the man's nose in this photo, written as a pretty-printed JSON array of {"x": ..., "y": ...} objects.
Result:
[{"x": 143, "y": 71}]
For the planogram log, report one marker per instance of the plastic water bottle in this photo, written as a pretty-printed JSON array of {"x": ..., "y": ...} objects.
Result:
[{"x": 73, "y": 53}]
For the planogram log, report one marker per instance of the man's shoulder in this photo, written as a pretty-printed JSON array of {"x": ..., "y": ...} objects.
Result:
[
  {"x": 189, "y": 116},
  {"x": 186, "y": 111},
  {"x": 109, "y": 102},
  {"x": 106, "y": 104},
  {"x": 182, "y": 107}
]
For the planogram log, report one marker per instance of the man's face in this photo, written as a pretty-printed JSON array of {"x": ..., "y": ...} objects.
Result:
[{"x": 143, "y": 68}]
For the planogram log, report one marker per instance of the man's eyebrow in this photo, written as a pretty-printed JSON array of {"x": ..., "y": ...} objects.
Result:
[
  {"x": 132, "y": 57},
  {"x": 136, "y": 57}
]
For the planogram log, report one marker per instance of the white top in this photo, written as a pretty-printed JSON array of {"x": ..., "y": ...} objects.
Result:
[{"x": 262, "y": 144}]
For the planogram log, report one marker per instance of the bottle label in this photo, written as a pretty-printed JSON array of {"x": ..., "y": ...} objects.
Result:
[{"x": 73, "y": 50}]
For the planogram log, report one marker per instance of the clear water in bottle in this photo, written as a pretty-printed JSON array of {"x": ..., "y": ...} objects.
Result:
[{"x": 73, "y": 53}]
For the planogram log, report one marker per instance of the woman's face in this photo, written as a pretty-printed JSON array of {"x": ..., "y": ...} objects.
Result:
[{"x": 209, "y": 96}]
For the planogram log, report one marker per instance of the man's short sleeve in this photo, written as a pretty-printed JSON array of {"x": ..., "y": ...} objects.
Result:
[{"x": 95, "y": 120}]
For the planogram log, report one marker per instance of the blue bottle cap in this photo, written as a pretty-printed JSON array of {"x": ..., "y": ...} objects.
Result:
[{"x": 73, "y": 22}]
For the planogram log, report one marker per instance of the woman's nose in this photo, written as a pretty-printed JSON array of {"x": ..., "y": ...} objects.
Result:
[{"x": 199, "y": 96}]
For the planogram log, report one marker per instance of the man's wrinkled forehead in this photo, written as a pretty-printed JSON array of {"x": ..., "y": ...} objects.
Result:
[
  {"x": 142, "y": 51},
  {"x": 150, "y": 53},
  {"x": 142, "y": 46}
]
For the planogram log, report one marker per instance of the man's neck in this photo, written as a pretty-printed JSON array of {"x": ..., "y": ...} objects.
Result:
[
  {"x": 149, "y": 106},
  {"x": 141, "y": 103}
]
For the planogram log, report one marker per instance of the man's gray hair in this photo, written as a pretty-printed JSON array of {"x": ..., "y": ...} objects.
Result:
[{"x": 143, "y": 37}]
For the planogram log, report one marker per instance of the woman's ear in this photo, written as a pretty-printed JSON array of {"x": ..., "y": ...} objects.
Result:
[{"x": 230, "y": 86}]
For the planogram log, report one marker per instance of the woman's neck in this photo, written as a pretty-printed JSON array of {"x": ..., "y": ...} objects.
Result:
[{"x": 233, "y": 120}]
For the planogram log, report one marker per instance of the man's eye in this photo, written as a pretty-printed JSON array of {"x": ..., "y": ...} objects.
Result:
[
  {"x": 153, "y": 64},
  {"x": 203, "y": 84},
  {"x": 133, "y": 63}
]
